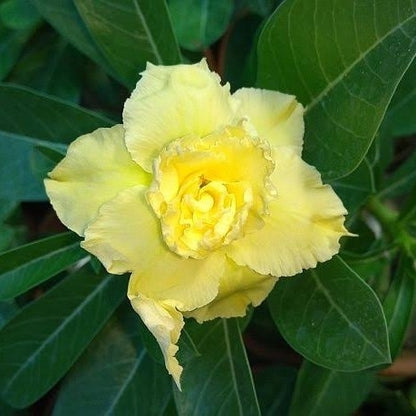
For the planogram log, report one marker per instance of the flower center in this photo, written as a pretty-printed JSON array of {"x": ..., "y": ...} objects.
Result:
[{"x": 210, "y": 191}]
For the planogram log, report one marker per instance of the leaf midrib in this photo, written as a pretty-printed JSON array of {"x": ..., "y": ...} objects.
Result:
[{"x": 349, "y": 68}]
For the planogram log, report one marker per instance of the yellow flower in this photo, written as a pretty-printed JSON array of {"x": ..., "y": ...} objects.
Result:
[{"x": 201, "y": 195}]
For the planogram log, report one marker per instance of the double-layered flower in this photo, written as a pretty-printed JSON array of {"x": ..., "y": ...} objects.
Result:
[{"x": 201, "y": 195}]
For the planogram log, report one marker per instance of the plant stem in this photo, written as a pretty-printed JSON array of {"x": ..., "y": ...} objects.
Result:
[{"x": 384, "y": 214}]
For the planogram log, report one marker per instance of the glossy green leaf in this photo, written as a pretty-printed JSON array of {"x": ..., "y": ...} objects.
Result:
[
  {"x": 320, "y": 391},
  {"x": 331, "y": 317},
  {"x": 115, "y": 376},
  {"x": 41, "y": 343},
  {"x": 341, "y": 60},
  {"x": 219, "y": 380},
  {"x": 399, "y": 302},
  {"x": 63, "y": 15},
  {"x": 199, "y": 23},
  {"x": 275, "y": 386},
  {"x": 33, "y": 263},
  {"x": 33, "y": 114},
  {"x": 130, "y": 33}
]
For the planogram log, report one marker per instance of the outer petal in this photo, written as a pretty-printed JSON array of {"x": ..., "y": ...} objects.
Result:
[
  {"x": 126, "y": 236},
  {"x": 304, "y": 226},
  {"x": 239, "y": 287},
  {"x": 165, "y": 323},
  {"x": 171, "y": 102},
  {"x": 96, "y": 167},
  {"x": 276, "y": 117}
]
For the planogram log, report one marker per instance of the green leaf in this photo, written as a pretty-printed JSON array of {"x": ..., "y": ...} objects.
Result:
[
  {"x": 34, "y": 119},
  {"x": 239, "y": 68},
  {"x": 42, "y": 342},
  {"x": 331, "y": 317},
  {"x": 115, "y": 375},
  {"x": 31, "y": 264},
  {"x": 19, "y": 14},
  {"x": 199, "y": 23},
  {"x": 400, "y": 118},
  {"x": 11, "y": 45},
  {"x": 275, "y": 387},
  {"x": 398, "y": 304},
  {"x": 218, "y": 381},
  {"x": 341, "y": 59},
  {"x": 7, "y": 310},
  {"x": 130, "y": 33},
  {"x": 65, "y": 18},
  {"x": 33, "y": 114},
  {"x": 355, "y": 188},
  {"x": 401, "y": 180},
  {"x": 320, "y": 391},
  {"x": 51, "y": 65},
  {"x": 19, "y": 181}
]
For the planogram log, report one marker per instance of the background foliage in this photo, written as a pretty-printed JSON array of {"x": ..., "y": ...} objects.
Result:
[{"x": 320, "y": 345}]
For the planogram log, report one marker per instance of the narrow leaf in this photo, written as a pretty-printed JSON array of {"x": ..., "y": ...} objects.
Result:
[
  {"x": 320, "y": 391},
  {"x": 130, "y": 33},
  {"x": 31, "y": 264},
  {"x": 33, "y": 114},
  {"x": 115, "y": 376},
  {"x": 41, "y": 343},
  {"x": 219, "y": 380},
  {"x": 343, "y": 60},
  {"x": 330, "y": 316}
]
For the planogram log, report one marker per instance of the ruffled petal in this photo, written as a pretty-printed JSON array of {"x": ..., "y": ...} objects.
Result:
[
  {"x": 173, "y": 101},
  {"x": 304, "y": 226},
  {"x": 239, "y": 287},
  {"x": 276, "y": 117},
  {"x": 126, "y": 236},
  {"x": 96, "y": 168},
  {"x": 165, "y": 323}
]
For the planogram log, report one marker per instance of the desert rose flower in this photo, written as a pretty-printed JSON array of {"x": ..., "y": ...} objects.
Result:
[{"x": 201, "y": 195}]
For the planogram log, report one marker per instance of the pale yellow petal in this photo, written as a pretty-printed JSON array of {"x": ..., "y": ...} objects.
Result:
[
  {"x": 171, "y": 102},
  {"x": 239, "y": 288},
  {"x": 97, "y": 166},
  {"x": 165, "y": 323},
  {"x": 305, "y": 223},
  {"x": 126, "y": 236},
  {"x": 276, "y": 117}
]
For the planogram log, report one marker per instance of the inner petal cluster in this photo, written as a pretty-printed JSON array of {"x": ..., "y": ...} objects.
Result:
[{"x": 211, "y": 191}]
